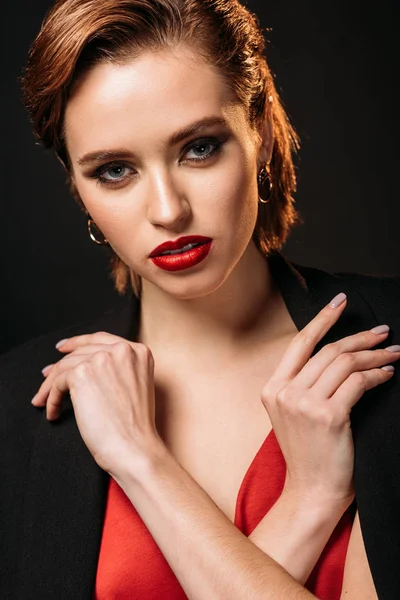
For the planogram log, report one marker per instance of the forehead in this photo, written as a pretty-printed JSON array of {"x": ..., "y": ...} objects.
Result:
[{"x": 148, "y": 97}]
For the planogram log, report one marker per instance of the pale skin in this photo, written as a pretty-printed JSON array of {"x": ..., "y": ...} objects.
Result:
[{"x": 144, "y": 416}]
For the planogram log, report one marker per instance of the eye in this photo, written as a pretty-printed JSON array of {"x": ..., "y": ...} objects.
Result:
[
  {"x": 112, "y": 174},
  {"x": 115, "y": 173},
  {"x": 202, "y": 145}
]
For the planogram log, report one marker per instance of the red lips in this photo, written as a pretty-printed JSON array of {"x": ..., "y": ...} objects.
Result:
[{"x": 179, "y": 243}]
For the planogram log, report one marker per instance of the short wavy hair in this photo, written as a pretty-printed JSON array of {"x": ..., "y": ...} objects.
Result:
[{"x": 78, "y": 34}]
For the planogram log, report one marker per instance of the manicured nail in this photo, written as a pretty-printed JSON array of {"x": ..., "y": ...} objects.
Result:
[
  {"x": 61, "y": 342},
  {"x": 33, "y": 399},
  {"x": 46, "y": 368},
  {"x": 380, "y": 329},
  {"x": 388, "y": 368},
  {"x": 393, "y": 348},
  {"x": 337, "y": 300}
]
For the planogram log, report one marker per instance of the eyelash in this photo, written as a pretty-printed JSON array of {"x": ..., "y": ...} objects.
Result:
[{"x": 97, "y": 174}]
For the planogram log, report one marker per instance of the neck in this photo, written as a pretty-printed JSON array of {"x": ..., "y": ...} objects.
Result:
[{"x": 227, "y": 322}]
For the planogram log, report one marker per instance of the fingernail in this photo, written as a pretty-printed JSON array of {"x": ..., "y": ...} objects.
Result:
[
  {"x": 46, "y": 368},
  {"x": 388, "y": 368},
  {"x": 395, "y": 348},
  {"x": 33, "y": 399},
  {"x": 61, "y": 342},
  {"x": 337, "y": 300},
  {"x": 380, "y": 329}
]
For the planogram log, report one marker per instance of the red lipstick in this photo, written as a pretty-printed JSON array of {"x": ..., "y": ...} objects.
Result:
[{"x": 182, "y": 253}]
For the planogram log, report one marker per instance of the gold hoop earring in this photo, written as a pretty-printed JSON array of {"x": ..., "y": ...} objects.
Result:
[
  {"x": 264, "y": 177},
  {"x": 102, "y": 242}
]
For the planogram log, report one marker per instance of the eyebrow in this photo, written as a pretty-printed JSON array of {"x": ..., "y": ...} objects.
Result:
[{"x": 178, "y": 136}]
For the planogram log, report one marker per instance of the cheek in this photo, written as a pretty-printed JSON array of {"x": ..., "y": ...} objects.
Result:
[
  {"x": 122, "y": 229},
  {"x": 236, "y": 202},
  {"x": 118, "y": 221}
]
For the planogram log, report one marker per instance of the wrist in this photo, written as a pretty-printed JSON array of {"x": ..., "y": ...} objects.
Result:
[
  {"x": 138, "y": 467},
  {"x": 315, "y": 504},
  {"x": 295, "y": 531}
]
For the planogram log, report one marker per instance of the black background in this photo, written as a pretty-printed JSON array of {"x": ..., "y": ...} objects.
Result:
[{"x": 336, "y": 68}]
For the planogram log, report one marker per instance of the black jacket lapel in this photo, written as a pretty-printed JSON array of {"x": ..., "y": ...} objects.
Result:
[
  {"x": 374, "y": 420},
  {"x": 307, "y": 290},
  {"x": 65, "y": 498}
]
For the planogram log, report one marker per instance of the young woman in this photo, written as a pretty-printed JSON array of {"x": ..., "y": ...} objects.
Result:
[{"x": 195, "y": 441}]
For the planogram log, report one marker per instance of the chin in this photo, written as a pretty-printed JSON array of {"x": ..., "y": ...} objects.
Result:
[{"x": 197, "y": 285}]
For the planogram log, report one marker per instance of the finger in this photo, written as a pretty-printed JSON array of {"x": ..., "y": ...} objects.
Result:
[
  {"x": 347, "y": 364},
  {"x": 302, "y": 346},
  {"x": 349, "y": 393},
  {"x": 54, "y": 400},
  {"x": 67, "y": 362},
  {"x": 89, "y": 349},
  {"x": 100, "y": 337},
  {"x": 315, "y": 367},
  {"x": 46, "y": 370}
]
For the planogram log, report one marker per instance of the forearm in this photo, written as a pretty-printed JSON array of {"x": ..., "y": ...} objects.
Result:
[
  {"x": 210, "y": 557},
  {"x": 294, "y": 533}
]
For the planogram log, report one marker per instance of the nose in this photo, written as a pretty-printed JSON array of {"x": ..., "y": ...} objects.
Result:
[{"x": 167, "y": 205}]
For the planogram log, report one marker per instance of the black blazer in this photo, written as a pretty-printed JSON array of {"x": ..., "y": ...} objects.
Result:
[{"x": 53, "y": 494}]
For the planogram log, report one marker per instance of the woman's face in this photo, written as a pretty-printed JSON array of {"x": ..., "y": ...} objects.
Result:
[{"x": 149, "y": 188}]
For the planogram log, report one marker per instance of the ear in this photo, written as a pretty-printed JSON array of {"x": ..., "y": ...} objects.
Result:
[{"x": 266, "y": 132}]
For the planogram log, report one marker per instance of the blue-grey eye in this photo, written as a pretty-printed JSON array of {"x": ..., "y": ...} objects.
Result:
[
  {"x": 202, "y": 146},
  {"x": 115, "y": 172}
]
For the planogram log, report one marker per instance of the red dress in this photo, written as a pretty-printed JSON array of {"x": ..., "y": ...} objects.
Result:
[{"x": 131, "y": 566}]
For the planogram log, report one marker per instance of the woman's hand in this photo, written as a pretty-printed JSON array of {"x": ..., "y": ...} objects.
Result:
[
  {"x": 309, "y": 401},
  {"x": 111, "y": 384}
]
